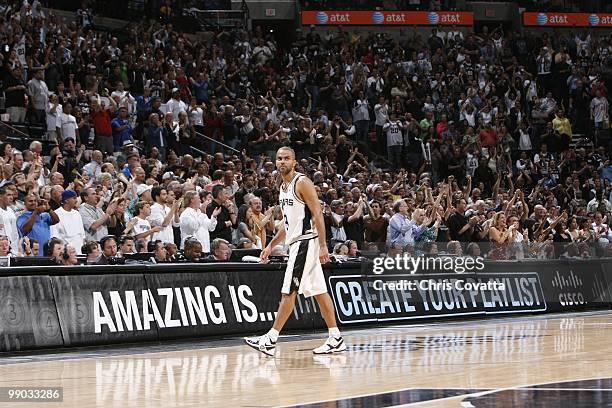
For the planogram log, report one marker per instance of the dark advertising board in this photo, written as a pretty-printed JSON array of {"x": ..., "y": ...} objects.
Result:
[
  {"x": 150, "y": 303},
  {"x": 197, "y": 304},
  {"x": 28, "y": 316},
  {"x": 376, "y": 298},
  {"x": 110, "y": 308}
]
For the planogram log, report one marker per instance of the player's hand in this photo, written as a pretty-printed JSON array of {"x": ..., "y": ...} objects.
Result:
[
  {"x": 323, "y": 254},
  {"x": 265, "y": 253}
]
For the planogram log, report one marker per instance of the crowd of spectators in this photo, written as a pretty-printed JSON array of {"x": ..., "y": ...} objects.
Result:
[{"x": 489, "y": 144}]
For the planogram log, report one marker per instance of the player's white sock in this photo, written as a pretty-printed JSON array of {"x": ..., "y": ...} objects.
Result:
[
  {"x": 273, "y": 333},
  {"x": 334, "y": 332}
]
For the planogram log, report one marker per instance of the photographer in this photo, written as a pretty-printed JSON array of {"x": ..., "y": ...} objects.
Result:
[{"x": 37, "y": 220}]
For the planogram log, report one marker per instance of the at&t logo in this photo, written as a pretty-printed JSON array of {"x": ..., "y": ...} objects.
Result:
[
  {"x": 593, "y": 19},
  {"x": 433, "y": 18},
  {"x": 322, "y": 17},
  {"x": 541, "y": 19},
  {"x": 378, "y": 17}
]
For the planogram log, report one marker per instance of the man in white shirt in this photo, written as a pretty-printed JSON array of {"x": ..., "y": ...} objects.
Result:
[
  {"x": 8, "y": 219},
  {"x": 395, "y": 140},
  {"x": 175, "y": 104},
  {"x": 162, "y": 215},
  {"x": 381, "y": 112},
  {"x": 70, "y": 226},
  {"x": 67, "y": 123},
  {"x": 123, "y": 98}
]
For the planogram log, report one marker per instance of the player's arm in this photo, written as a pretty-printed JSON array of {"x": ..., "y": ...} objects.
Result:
[
  {"x": 278, "y": 238},
  {"x": 305, "y": 190}
]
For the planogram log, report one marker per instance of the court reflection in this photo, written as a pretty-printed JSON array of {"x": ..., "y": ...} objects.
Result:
[{"x": 211, "y": 373}]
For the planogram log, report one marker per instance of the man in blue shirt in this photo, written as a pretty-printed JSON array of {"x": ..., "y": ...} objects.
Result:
[
  {"x": 36, "y": 221},
  {"x": 201, "y": 87},
  {"x": 122, "y": 129}
]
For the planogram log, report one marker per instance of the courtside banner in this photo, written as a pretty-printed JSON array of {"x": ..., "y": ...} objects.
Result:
[
  {"x": 102, "y": 309},
  {"x": 196, "y": 304},
  {"x": 577, "y": 285},
  {"x": 389, "y": 297},
  {"x": 328, "y": 17},
  {"x": 28, "y": 317},
  {"x": 567, "y": 19}
]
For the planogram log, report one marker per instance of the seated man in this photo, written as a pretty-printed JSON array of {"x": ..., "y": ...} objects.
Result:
[
  {"x": 220, "y": 250},
  {"x": 69, "y": 256},
  {"x": 191, "y": 253},
  {"x": 158, "y": 249},
  {"x": 54, "y": 248},
  {"x": 109, "y": 250}
]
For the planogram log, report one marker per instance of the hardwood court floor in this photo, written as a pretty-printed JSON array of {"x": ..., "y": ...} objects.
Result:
[{"x": 554, "y": 361}]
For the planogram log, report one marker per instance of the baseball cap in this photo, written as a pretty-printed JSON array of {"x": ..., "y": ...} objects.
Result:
[
  {"x": 143, "y": 188},
  {"x": 168, "y": 175},
  {"x": 67, "y": 194},
  {"x": 175, "y": 90}
]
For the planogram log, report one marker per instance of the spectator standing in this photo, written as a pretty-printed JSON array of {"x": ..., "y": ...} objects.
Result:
[
  {"x": 15, "y": 96},
  {"x": 226, "y": 218},
  {"x": 175, "y": 104},
  {"x": 195, "y": 223},
  {"x": 95, "y": 219},
  {"x": 39, "y": 96},
  {"x": 164, "y": 214},
  {"x": 101, "y": 120},
  {"x": 8, "y": 219},
  {"x": 36, "y": 221},
  {"x": 53, "y": 113},
  {"x": 67, "y": 124},
  {"x": 122, "y": 129},
  {"x": 69, "y": 228}
]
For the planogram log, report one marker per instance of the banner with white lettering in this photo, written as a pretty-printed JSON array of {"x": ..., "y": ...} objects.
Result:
[
  {"x": 109, "y": 308},
  {"x": 576, "y": 285}
]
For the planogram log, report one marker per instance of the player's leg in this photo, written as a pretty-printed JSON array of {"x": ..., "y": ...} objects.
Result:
[
  {"x": 314, "y": 285},
  {"x": 298, "y": 254},
  {"x": 334, "y": 343},
  {"x": 285, "y": 308}
]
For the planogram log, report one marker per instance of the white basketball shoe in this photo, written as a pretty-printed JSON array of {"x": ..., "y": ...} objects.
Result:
[
  {"x": 332, "y": 345},
  {"x": 262, "y": 343}
]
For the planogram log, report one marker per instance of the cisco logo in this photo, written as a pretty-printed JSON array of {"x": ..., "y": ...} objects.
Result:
[
  {"x": 541, "y": 19},
  {"x": 322, "y": 17},
  {"x": 378, "y": 17},
  {"x": 593, "y": 19},
  {"x": 433, "y": 18}
]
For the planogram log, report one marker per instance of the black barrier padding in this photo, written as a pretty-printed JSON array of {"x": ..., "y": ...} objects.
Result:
[
  {"x": 193, "y": 304},
  {"x": 606, "y": 270},
  {"x": 395, "y": 296},
  {"x": 102, "y": 309},
  {"x": 578, "y": 285},
  {"x": 263, "y": 289},
  {"x": 28, "y": 316},
  {"x": 92, "y": 304},
  {"x": 566, "y": 285}
]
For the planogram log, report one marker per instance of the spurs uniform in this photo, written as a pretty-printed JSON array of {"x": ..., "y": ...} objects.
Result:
[{"x": 304, "y": 272}]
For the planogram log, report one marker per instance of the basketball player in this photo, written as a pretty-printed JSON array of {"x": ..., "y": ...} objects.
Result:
[{"x": 304, "y": 232}]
